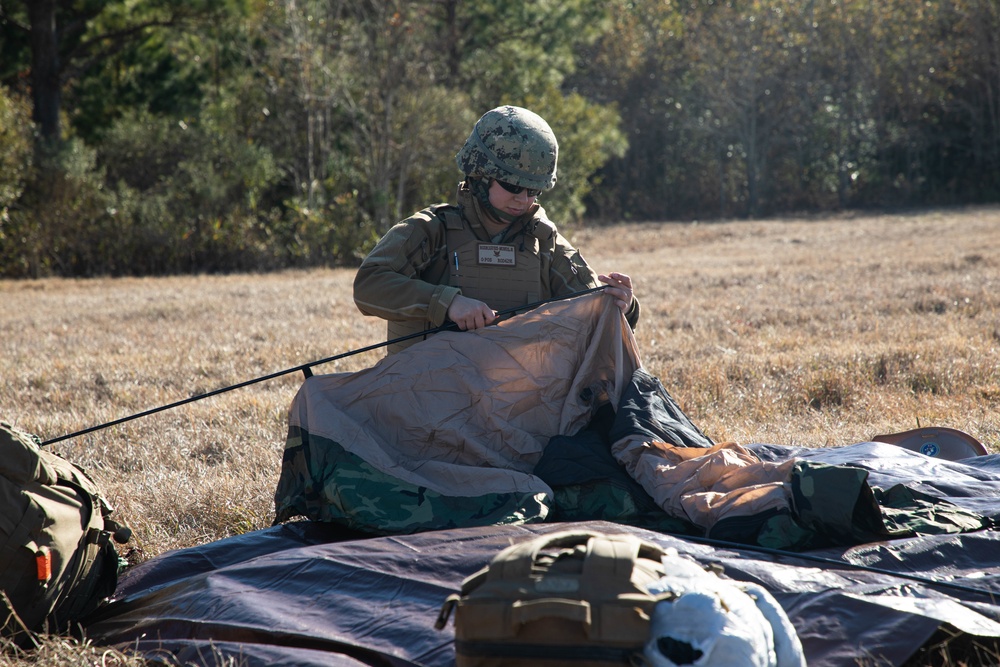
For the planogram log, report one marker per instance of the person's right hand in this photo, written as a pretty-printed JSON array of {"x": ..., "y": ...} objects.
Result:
[{"x": 470, "y": 314}]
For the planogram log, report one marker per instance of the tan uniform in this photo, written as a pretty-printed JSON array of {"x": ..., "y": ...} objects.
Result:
[{"x": 415, "y": 271}]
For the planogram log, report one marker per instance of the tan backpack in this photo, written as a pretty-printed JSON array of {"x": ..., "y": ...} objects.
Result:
[
  {"x": 566, "y": 598},
  {"x": 57, "y": 561}
]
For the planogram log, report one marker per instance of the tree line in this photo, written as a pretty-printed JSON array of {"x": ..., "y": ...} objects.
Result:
[{"x": 222, "y": 135}]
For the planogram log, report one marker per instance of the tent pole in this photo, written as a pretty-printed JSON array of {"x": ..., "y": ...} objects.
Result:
[{"x": 306, "y": 369}]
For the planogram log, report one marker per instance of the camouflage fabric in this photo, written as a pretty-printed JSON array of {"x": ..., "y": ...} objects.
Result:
[
  {"x": 836, "y": 505},
  {"x": 513, "y": 145},
  {"x": 610, "y": 502},
  {"x": 323, "y": 482},
  {"x": 907, "y": 512}
]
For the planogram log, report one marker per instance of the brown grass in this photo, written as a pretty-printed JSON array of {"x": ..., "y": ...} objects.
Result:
[{"x": 816, "y": 332}]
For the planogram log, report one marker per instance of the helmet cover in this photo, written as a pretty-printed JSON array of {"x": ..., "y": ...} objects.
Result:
[{"x": 513, "y": 145}]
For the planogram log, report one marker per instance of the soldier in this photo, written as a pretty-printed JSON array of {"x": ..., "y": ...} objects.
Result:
[{"x": 493, "y": 250}]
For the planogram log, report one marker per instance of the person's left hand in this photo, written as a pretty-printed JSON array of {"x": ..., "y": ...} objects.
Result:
[{"x": 620, "y": 288}]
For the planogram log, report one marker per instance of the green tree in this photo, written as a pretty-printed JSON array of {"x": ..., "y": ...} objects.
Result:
[
  {"x": 673, "y": 167},
  {"x": 745, "y": 61},
  {"x": 59, "y": 41},
  {"x": 377, "y": 97},
  {"x": 15, "y": 148},
  {"x": 15, "y": 169},
  {"x": 588, "y": 137},
  {"x": 510, "y": 50},
  {"x": 976, "y": 72}
]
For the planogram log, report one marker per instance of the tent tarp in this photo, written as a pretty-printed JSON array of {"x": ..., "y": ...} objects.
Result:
[
  {"x": 416, "y": 472},
  {"x": 462, "y": 415},
  {"x": 299, "y": 594},
  {"x": 458, "y": 431}
]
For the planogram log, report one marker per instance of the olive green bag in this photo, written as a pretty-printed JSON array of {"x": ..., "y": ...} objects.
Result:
[
  {"x": 564, "y": 599},
  {"x": 57, "y": 560}
]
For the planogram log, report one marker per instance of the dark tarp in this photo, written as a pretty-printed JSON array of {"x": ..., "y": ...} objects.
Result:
[{"x": 302, "y": 594}]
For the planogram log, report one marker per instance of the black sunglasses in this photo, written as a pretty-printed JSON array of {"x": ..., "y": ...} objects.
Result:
[{"x": 517, "y": 189}]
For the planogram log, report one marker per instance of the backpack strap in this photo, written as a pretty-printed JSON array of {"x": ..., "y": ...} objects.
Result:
[
  {"x": 607, "y": 555},
  {"x": 91, "y": 568},
  {"x": 449, "y": 215},
  {"x": 610, "y": 558},
  {"x": 515, "y": 562}
]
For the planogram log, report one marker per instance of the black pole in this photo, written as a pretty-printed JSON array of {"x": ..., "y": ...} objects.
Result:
[{"x": 306, "y": 369}]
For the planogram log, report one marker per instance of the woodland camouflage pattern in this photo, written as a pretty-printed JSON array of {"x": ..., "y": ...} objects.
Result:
[
  {"x": 322, "y": 481},
  {"x": 512, "y": 145}
]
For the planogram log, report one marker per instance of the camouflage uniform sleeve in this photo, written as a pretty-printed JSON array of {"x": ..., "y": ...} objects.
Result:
[
  {"x": 403, "y": 277},
  {"x": 569, "y": 272},
  {"x": 632, "y": 316}
]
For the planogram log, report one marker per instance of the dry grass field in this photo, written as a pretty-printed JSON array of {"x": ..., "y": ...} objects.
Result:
[{"x": 817, "y": 332}]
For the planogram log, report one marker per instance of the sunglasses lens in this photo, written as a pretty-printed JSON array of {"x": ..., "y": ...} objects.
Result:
[{"x": 517, "y": 189}]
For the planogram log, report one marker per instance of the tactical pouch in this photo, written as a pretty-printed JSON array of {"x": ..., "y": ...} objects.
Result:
[{"x": 567, "y": 598}]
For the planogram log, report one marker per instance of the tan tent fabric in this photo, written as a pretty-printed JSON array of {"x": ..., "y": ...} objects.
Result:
[
  {"x": 706, "y": 485},
  {"x": 466, "y": 414},
  {"x": 473, "y": 410},
  {"x": 468, "y": 411}
]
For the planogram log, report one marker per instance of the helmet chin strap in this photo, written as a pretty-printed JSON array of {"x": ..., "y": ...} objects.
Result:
[
  {"x": 480, "y": 187},
  {"x": 504, "y": 218}
]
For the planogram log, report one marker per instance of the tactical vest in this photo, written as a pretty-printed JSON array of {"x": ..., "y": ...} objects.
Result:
[{"x": 502, "y": 275}]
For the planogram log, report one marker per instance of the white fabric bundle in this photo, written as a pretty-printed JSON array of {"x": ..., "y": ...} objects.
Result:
[{"x": 709, "y": 621}]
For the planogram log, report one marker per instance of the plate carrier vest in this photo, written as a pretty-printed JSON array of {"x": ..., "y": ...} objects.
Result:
[{"x": 504, "y": 275}]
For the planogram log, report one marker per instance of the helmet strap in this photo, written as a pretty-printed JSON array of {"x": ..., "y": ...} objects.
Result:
[{"x": 480, "y": 188}]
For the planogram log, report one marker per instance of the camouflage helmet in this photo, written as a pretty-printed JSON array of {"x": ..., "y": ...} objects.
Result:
[{"x": 512, "y": 145}]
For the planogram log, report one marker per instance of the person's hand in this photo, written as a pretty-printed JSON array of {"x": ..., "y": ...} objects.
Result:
[
  {"x": 620, "y": 288},
  {"x": 470, "y": 314}
]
